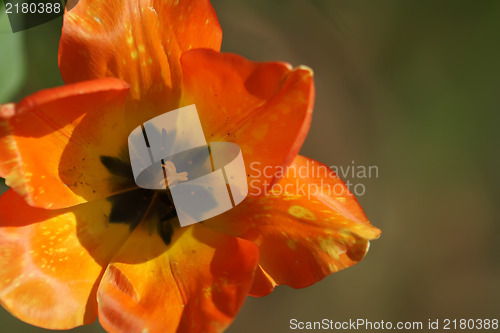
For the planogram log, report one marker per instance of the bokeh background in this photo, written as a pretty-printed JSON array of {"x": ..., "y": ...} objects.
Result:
[{"x": 410, "y": 87}]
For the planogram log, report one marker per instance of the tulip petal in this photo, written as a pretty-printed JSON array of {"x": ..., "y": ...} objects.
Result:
[
  {"x": 263, "y": 284},
  {"x": 308, "y": 226},
  {"x": 195, "y": 284},
  {"x": 139, "y": 42},
  {"x": 51, "y": 141},
  {"x": 51, "y": 261},
  {"x": 251, "y": 104}
]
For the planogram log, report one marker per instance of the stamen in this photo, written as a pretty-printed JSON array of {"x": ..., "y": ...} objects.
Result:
[{"x": 171, "y": 174}]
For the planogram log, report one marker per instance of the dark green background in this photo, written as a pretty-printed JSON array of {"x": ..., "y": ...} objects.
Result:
[{"x": 411, "y": 87}]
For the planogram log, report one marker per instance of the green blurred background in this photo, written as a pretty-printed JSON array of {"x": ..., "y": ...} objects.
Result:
[{"x": 410, "y": 87}]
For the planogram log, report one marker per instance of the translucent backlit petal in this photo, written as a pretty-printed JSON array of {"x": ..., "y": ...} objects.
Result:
[
  {"x": 51, "y": 141},
  {"x": 139, "y": 42},
  {"x": 196, "y": 284},
  {"x": 307, "y": 227},
  {"x": 51, "y": 261},
  {"x": 265, "y": 108},
  {"x": 263, "y": 284}
]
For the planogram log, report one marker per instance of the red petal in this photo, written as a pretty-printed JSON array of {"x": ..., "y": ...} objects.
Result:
[
  {"x": 51, "y": 141},
  {"x": 263, "y": 284},
  {"x": 197, "y": 284},
  {"x": 306, "y": 228},
  {"x": 251, "y": 104},
  {"x": 51, "y": 260},
  {"x": 139, "y": 42}
]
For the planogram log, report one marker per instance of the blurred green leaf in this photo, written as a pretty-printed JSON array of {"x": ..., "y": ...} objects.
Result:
[{"x": 12, "y": 60}]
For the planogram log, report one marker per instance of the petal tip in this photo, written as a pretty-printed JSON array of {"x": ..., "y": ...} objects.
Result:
[
  {"x": 307, "y": 69},
  {"x": 7, "y": 110}
]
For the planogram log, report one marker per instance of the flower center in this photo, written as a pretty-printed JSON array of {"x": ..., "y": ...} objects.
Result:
[
  {"x": 135, "y": 205},
  {"x": 172, "y": 175}
]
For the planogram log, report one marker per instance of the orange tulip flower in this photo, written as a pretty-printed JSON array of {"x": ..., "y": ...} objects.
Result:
[{"x": 78, "y": 238}]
